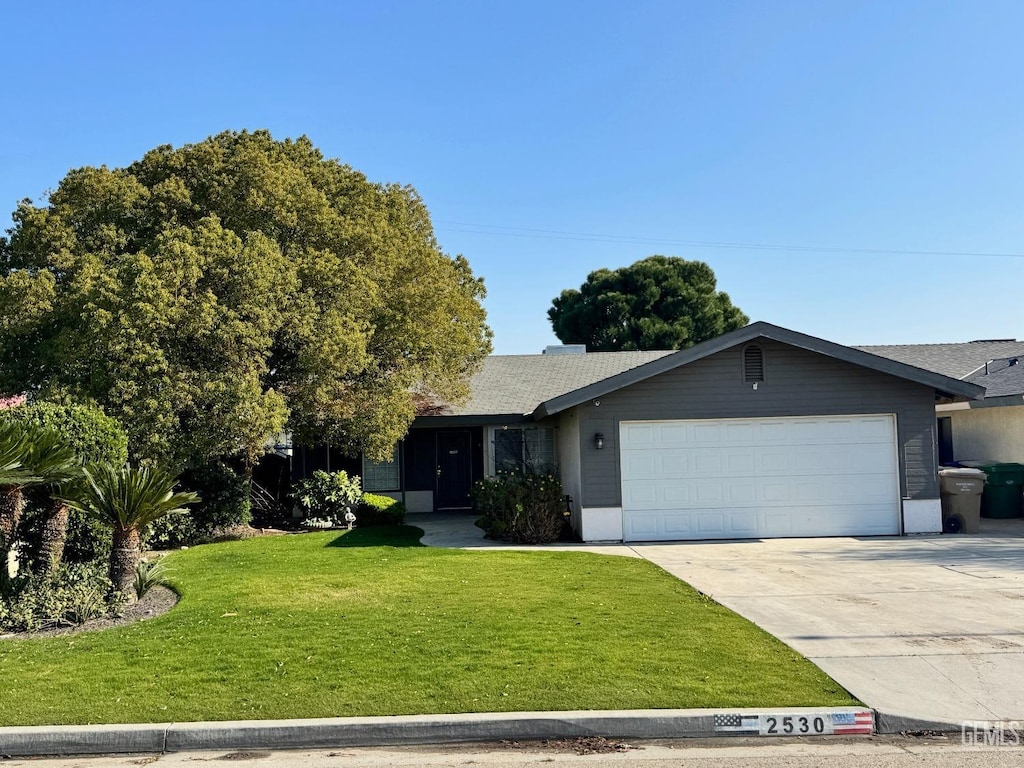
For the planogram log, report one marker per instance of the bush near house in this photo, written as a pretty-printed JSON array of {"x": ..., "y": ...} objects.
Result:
[
  {"x": 225, "y": 505},
  {"x": 521, "y": 508},
  {"x": 379, "y": 510},
  {"x": 328, "y": 496}
]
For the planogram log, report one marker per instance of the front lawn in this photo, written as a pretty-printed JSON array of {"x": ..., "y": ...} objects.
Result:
[{"x": 370, "y": 623}]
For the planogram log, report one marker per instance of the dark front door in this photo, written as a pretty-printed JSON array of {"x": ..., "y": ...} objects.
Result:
[
  {"x": 454, "y": 470},
  {"x": 946, "y": 440}
]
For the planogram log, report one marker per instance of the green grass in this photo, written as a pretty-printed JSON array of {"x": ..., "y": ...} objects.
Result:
[{"x": 370, "y": 623}]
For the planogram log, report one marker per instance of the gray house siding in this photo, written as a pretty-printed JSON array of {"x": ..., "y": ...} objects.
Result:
[{"x": 797, "y": 383}]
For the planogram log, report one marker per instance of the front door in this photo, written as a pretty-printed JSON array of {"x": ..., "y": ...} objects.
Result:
[{"x": 454, "y": 470}]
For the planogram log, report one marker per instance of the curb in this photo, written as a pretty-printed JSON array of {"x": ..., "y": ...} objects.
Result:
[
  {"x": 892, "y": 724},
  {"x": 23, "y": 741}
]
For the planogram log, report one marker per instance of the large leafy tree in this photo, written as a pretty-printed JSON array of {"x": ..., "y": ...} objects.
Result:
[
  {"x": 213, "y": 295},
  {"x": 661, "y": 302}
]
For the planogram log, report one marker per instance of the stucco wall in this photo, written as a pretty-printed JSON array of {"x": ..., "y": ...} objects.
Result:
[
  {"x": 569, "y": 461},
  {"x": 988, "y": 433}
]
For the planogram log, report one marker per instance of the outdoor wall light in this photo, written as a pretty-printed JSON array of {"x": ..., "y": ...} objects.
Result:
[{"x": 598, "y": 440}]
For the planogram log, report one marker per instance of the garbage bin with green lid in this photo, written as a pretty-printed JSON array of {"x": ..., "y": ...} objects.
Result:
[
  {"x": 1003, "y": 488},
  {"x": 960, "y": 493}
]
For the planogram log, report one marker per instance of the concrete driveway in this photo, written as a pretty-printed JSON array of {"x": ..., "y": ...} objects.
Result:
[{"x": 925, "y": 626}]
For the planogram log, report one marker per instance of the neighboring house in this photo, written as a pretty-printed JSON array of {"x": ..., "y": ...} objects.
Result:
[
  {"x": 762, "y": 432},
  {"x": 991, "y": 428}
]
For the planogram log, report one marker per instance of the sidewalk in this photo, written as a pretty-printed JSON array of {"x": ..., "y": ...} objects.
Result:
[{"x": 452, "y": 530}]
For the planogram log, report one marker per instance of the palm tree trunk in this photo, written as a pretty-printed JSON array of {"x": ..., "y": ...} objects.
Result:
[
  {"x": 54, "y": 535},
  {"x": 124, "y": 559},
  {"x": 12, "y": 504}
]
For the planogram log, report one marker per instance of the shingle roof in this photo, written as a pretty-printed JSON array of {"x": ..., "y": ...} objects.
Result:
[
  {"x": 956, "y": 360},
  {"x": 1003, "y": 377},
  {"x": 517, "y": 384}
]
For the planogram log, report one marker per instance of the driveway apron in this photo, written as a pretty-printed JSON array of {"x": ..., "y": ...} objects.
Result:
[{"x": 925, "y": 626}]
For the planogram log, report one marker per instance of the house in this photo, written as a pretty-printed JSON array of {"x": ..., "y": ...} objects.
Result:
[
  {"x": 761, "y": 432},
  {"x": 990, "y": 428}
]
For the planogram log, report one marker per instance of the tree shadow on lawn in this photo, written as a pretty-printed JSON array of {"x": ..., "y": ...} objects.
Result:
[{"x": 380, "y": 536}]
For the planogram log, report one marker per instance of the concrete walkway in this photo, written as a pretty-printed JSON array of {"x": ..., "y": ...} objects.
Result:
[
  {"x": 930, "y": 627},
  {"x": 459, "y": 531}
]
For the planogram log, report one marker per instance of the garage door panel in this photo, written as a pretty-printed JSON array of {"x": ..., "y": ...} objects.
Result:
[
  {"x": 875, "y": 429},
  {"x": 641, "y": 465},
  {"x": 743, "y": 478},
  {"x": 742, "y": 461},
  {"x": 743, "y": 524},
  {"x": 710, "y": 523},
  {"x": 710, "y": 432},
  {"x": 743, "y": 433},
  {"x": 677, "y": 526},
  {"x": 778, "y": 524},
  {"x": 637, "y": 435},
  {"x": 639, "y": 495},
  {"x": 642, "y": 527}
]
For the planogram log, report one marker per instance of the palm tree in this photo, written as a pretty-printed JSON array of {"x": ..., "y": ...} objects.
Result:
[
  {"x": 29, "y": 456},
  {"x": 127, "y": 499},
  {"x": 13, "y": 478},
  {"x": 52, "y": 537}
]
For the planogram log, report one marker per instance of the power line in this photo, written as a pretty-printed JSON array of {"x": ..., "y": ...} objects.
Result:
[{"x": 552, "y": 234}]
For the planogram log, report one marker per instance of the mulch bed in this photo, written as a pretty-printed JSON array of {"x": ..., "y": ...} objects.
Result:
[{"x": 157, "y": 601}]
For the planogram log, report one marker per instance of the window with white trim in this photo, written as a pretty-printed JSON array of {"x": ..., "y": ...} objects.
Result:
[
  {"x": 524, "y": 449},
  {"x": 381, "y": 475}
]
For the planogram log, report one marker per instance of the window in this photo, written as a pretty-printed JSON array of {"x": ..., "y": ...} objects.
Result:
[
  {"x": 530, "y": 450},
  {"x": 381, "y": 475},
  {"x": 753, "y": 364}
]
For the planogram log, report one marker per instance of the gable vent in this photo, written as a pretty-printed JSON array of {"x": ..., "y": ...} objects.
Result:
[{"x": 753, "y": 364}]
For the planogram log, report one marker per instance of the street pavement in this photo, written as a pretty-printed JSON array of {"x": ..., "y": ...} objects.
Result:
[{"x": 942, "y": 752}]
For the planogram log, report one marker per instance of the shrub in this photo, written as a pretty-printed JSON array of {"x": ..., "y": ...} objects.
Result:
[
  {"x": 94, "y": 437},
  {"x": 224, "y": 501},
  {"x": 379, "y": 510},
  {"x": 149, "y": 574},
  {"x": 521, "y": 508},
  {"x": 328, "y": 495},
  {"x": 71, "y": 596},
  {"x": 172, "y": 532}
]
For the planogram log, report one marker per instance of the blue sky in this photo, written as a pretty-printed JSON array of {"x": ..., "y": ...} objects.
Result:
[{"x": 549, "y": 139}]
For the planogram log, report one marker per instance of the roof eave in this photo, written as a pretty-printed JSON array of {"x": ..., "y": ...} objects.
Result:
[
  {"x": 470, "y": 419},
  {"x": 942, "y": 384}
]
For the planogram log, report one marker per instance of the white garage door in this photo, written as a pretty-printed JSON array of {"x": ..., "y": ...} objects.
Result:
[{"x": 759, "y": 478}]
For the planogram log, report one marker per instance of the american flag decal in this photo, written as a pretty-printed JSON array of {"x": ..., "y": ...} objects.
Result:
[
  {"x": 862, "y": 721},
  {"x": 736, "y": 723}
]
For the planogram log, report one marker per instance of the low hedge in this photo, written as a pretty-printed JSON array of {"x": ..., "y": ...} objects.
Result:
[
  {"x": 379, "y": 510},
  {"x": 521, "y": 508}
]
